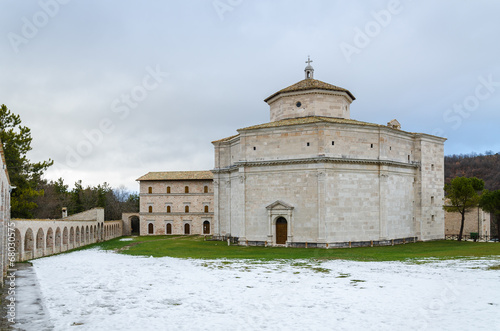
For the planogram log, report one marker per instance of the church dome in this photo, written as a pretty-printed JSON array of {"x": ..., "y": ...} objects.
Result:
[{"x": 310, "y": 84}]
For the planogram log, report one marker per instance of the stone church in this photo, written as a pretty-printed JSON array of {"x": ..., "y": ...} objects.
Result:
[{"x": 314, "y": 177}]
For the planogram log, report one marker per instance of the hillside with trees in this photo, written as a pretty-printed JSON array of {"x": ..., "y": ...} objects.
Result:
[{"x": 484, "y": 166}]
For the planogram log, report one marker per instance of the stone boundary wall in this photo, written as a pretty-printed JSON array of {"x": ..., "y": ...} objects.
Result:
[
  {"x": 36, "y": 238},
  {"x": 476, "y": 220},
  {"x": 95, "y": 214}
]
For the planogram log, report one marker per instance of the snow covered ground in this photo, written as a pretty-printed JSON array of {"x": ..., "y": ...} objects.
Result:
[{"x": 99, "y": 290}]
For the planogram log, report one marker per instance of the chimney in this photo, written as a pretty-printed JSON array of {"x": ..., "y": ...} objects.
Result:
[{"x": 64, "y": 212}]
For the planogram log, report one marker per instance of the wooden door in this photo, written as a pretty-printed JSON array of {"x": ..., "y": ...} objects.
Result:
[
  {"x": 169, "y": 228},
  {"x": 206, "y": 227},
  {"x": 186, "y": 228},
  {"x": 281, "y": 231}
]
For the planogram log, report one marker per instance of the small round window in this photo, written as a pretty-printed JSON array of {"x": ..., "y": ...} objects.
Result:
[{"x": 298, "y": 104}]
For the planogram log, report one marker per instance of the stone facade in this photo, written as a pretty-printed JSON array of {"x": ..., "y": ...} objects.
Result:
[
  {"x": 314, "y": 176},
  {"x": 6, "y": 227},
  {"x": 476, "y": 220},
  {"x": 176, "y": 203}
]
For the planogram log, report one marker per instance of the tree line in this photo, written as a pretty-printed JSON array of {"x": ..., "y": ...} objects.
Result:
[{"x": 485, "y": 166}]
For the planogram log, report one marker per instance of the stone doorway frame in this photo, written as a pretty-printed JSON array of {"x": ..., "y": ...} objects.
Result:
[{"x": 274, "y": 211}]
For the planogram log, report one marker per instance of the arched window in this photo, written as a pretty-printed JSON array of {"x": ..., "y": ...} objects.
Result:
[
  {"x": 150, "y": 190},
  {"x": 206, "y": 227},
  {"x": 186, "y": 209},
  {"x": 169, "y": 228},
  {"x": 186, "y": 189},
  {"x": 150, "y": 228},
  {"x": 150, "y": 209},
  {"x": 205, "y": 189},
  {"x": 168, "y": 189},
  {"x": 187, "y": 229},
  {"x": 169, "y": 209},
  {"x": 206, "y": 209}
]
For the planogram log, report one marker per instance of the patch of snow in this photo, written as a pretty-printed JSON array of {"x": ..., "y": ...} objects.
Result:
[
  {"x": 101, "y": 290},
  {"x": 126, "y": 239}
]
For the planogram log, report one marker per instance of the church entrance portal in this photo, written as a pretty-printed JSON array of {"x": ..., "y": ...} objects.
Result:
[{"x": 281, "y": 231}]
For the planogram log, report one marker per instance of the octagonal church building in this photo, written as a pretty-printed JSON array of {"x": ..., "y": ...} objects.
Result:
[{"x": 314, "y": 177}]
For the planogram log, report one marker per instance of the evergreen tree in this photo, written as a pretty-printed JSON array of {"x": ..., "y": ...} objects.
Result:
[
  {"x": 463, "y": 195},
  {"x": 490, "y": 202},
  {"x": 24, "y": 175}
]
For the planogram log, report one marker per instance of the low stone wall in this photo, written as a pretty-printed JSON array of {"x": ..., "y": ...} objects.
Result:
[
  {"x": 35, "y": 238},
  {"x": 347, "y": 244},
  {"x": 476, "y": 220}
]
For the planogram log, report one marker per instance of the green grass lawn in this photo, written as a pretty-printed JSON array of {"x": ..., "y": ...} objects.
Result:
[{"x": 196, "y": 247}]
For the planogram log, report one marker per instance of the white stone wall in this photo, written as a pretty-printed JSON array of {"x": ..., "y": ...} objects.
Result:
[
  {"x": 476, "y": 220},
  {"x": 430, "y": 188}
]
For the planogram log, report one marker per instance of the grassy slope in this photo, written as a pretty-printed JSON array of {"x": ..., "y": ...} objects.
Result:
[{"x": 196, "y": 247}]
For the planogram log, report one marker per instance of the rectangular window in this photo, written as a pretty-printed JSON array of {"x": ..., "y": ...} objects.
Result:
[{"x": 333, "y": 143}]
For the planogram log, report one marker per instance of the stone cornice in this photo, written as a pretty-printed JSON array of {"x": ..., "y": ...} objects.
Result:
[
  {"x": 177, "y": 214},
  {"x": 320, "y": 159}
]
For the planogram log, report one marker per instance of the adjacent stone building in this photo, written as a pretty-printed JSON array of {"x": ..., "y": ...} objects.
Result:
[
  {"x": 314, "y": 176},
  {"x": 476, "y": 221},
  {"x": 176, "y": 202}
]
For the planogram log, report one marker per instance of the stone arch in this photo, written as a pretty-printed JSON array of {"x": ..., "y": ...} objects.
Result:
[
  {"x": 50, "y": 238},
  {"x": 77, "y": 236},
  {"x": 91, "y": 238},
  {"x": 39, "y": 238},
  {"x": 57, "y": 239},
  {"x": 39, "y": 243},
  {"x": 281, "y": 230},
  {"x": 29, "y": 242},
  {"x": 87, "y": 234},
  {"x": 82, "y": 235},
  {"x": 18, "y": 244},
  {"x": 134, "y": 225},
  {"x": 72, "y": 236},
  {"x": 65, "y": 236},
  {"x": 206, "y": 227},
  {"x": 95, "y": 232}
]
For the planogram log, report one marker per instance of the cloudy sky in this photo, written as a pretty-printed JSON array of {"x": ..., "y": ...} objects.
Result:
[{"x": 115, "y": 89}]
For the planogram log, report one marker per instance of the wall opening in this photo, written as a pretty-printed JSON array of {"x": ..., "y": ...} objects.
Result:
[
  {"x": 281, "y": 231},
  {"x": 206, "y": 227}
]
